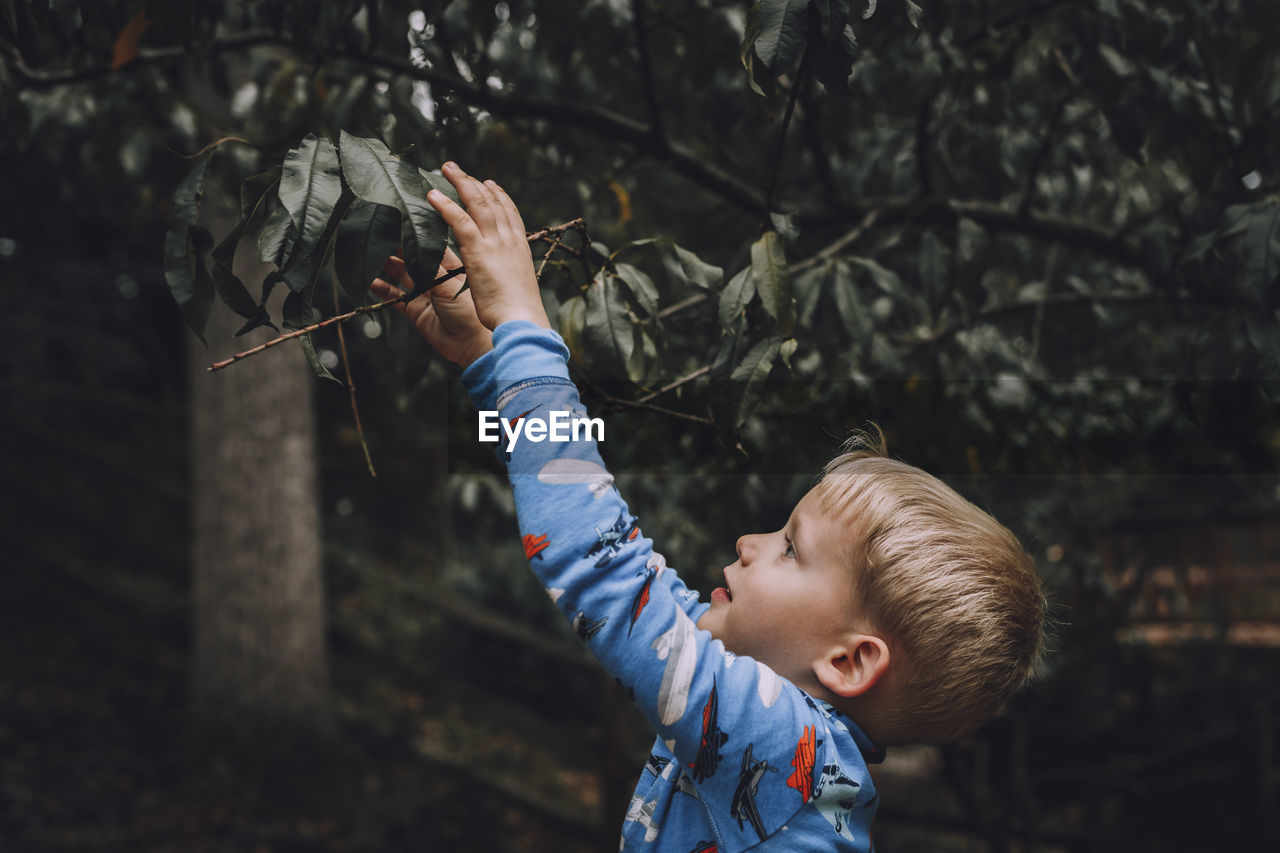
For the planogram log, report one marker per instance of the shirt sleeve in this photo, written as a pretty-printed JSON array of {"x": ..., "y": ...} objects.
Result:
[{"x": 750, "y": 745}]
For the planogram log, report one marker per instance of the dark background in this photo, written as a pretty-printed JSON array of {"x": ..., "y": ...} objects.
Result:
[{"x": 1076, "y": 209}]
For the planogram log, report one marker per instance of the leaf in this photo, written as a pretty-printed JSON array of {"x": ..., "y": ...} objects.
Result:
[
  {"x": 748, "y": 53},
  {"x": 277, "y": 237},
  {"x": 194, "y": 294},
  {"x": 786, "y": 350},
  {"x": 641, "y": 287},
  {"x": 310, "y": 185},
  {"x": 367, "y": 236},
  {"x": 313, "y": 359},
  {"x": 230, "y": 288},
  {"x": 255, "y": 197},
  {"x": 696, "y": 271},
  {"x": 781, "y": 33},
  {"x": 376, "y": 175},
  {"x": 311, "y": 190},
  {"x": 609, "y": 328},
  {"x": 735, "y": 296},
  {"x": 914, "y": 13},
  {"x": 871, "y": 10},
  {"x": 853, "y": 313},
  {"x": 753, "y": 372},
  {"x": 832, "y": 63},
  {"x": 773, "y": 281},
  {"x": 681, "y": 263},
  {"x": 571, "y": 320},
  {"x": 885, "y": 279},
  {"x": 932, "y": 267},
  {"x": 125, "y": 49},
  {"x": 1260, "y": 246},
  {"x": 440, "y": 182},
  {"x": 832, "y": 16}
]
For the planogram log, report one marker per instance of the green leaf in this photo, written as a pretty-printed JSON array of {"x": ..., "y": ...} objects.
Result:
[
  {"x": 696, "y": 271},
  {"x": 884, "y": 278},
  {"x": 914, "y": 14},
  {"x": 752, "y": 373},
  {"x": 193, "y": 293},
  {"x": 832, "y": 62},
  {"x": 780, "y": 38},
  {"x": 933, "y": 272},
  {"x": 440, "y": 182},
  {"x": 367, "y": 236},
  {"x": 735, "y": 296},
  {"x": 832, "y": 15},
  {"x": 773, "y": 281},
  {"x": 641, "y": 287},
  {"x": 787, "y": 350},
  {"x": 571, "y": 321},
  {"x": 230, "y": 288},
  {"x": 844, "y": 289},
  {"x": 376, "y": 175},
  {"x": 310, "y": 186},
  {"x": 609, "y": 330},
  {"x": 255, "y": 194},
  {"x": 681, "y": 263},
  {"x": 313, "y": 359},
  {"x": 277, "y": 237},
  {"x": 1260, "y": 247}
]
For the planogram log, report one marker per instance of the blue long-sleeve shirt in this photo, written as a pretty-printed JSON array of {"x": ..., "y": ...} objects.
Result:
[{"x": 743, "y": 759}]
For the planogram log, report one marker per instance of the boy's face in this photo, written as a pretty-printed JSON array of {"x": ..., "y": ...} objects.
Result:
[{"x": 789, "y": 595}]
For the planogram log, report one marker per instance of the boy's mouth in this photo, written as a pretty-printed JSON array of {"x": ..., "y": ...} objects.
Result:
[{"x": 721, "y": 593}]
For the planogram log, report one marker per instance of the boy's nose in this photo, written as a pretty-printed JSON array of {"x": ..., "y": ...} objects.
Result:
[{"x": 746, "y": 548}]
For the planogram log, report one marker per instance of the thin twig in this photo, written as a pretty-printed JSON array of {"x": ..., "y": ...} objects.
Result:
[
  {"x": 351, "y": 386},
  {"x": 839, "y": 245},
  {"x": 297, "y": 333},
  {"x": 696, "y": 299},
  {"x": 701, "y": 371},
  {"x": 213, "y": 145},
  {"x": 634, "y": 404}
]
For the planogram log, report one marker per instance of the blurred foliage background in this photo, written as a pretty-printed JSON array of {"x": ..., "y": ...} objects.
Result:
[{"x": 1038, "y": 242}]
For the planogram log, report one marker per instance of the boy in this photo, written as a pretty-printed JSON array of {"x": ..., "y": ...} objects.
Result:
[{"x": 886, "y": 598}]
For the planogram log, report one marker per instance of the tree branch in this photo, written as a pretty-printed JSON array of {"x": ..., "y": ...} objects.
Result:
[
  {"x": 1081, "y": 300},
  {"x": 684, "y": 161},
  {"x": 571, "y": 225}
]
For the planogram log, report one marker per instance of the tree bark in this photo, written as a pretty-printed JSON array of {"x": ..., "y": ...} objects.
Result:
[{"x": 259, "y": 676}]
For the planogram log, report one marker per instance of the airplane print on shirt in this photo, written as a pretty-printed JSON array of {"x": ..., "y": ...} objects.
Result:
[
  {"x": 708, "y": 758},
  {"x": 743, "y": 807},
  {"x": 586, "y": 627},
  {"x": 609, "y": 542},
  {"x": 806, "y": 755}
]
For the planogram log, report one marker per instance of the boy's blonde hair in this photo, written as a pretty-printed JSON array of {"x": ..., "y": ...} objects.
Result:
[{"x": 950, "y": 589}]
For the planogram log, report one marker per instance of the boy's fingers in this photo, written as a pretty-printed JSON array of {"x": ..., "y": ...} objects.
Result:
[
  {"x": 514, "y": 221},
  {"x": 394, "y": 269},
  {"x": 464, "y": 227},
  {"x": 481, "y": 205}
]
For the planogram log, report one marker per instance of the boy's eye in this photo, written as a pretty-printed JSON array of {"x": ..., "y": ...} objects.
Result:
[{"x": 790, "y": 549}]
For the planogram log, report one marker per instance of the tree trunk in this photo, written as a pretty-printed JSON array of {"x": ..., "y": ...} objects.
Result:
[{"x": 259, "y": 674}]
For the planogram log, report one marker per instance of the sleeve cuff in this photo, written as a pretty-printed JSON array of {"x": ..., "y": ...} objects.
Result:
[{"x": 521, "y": 350}]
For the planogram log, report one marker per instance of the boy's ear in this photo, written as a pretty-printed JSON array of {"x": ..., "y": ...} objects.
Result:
[{"x": 853, "y": 667}]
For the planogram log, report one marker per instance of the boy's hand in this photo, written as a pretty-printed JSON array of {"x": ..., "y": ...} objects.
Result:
[
  {"x": 448, "y": 323},
  {"x": 494, "y": 248}
]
